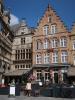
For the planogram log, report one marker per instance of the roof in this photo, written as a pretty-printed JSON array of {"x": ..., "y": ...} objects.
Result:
[
  {"x": 18, "y": 72},
  {"x": 71, "y": 71},
  {"x": 51, "y": 65}
]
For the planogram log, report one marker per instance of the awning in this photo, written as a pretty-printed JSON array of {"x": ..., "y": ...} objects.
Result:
[
  {"x": 51, "y": 65},
  {"x": 18, "y": 72},
  {"x": 71, "y": 71}
]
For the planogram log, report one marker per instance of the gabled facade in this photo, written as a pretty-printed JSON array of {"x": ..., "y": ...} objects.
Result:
[
  {"x": 72, "y": 45},
  {"x": 21, "y": 51},
  {"x": 51, "y": 48},
  {"x": 22, "y": 45},
  {"x": 71, "y": 70}
]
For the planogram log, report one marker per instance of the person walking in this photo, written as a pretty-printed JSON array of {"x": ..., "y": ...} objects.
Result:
[{"x": 28, "y": 88}]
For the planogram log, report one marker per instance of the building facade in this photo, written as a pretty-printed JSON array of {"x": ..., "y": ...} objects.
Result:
[
  {"x": 71, "y": 70},
  {"x": 21, "y": 50},
  {"x": 6, "y": 39},
  {"x": 51, "y": 51}
]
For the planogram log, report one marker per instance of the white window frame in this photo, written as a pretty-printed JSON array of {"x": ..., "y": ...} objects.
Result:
[
  {"x": 38, "y": 58},
  {"x": 53, "y": 29},
  {"x": 46, "y": 30},
  {"x": 49, "y": 18},
  {"x": 64, "y": 56},
  {"x": 39, "y": 73},
  {"x": 46, "y": 58},
  {"x": 38, "y": 44},
  {"x": 74, "y": 59},
  {"x": 63, "y": 42},
  {"x": 46, "y": 44},
  {"x": 55, "y": 57},
  {"x": 73, "y": 44},
  {"x": 54, "y": 43},
  {"x": 46, "y": 73}
]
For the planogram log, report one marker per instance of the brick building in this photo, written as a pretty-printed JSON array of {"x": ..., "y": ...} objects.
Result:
[
  {"x": 71, "y": 70},
  {"x": 51, "y": 48}
]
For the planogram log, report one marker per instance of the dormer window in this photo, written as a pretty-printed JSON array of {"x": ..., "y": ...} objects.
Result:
[{"x": 49, "y": 18}]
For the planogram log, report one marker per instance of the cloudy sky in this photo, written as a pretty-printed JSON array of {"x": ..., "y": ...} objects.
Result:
[
  {"x": 14, "y": 19},
  {"x": 32, "y": 10}
]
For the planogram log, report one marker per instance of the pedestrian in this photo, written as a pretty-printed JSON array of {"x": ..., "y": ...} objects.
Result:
[{"x": 28, "y": 88}]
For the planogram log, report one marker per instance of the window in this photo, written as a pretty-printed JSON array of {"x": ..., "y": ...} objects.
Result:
[
  {"x": 64, "y": 57},
  {"x": 38, "y": 59},
  {"x": 74, "y": 59},
  {"x": 22, "y": 33},
  {"x": 16, "y": 66},
  {"x": 46, "y": 58},
  {"x": 55, "y": 57},
  {"x": 23, "y": 53},
  {"x": 46, "y": 30},
  {"x": 27, "y": 53},
  {"x": 39, "y": 75},
  {"x": 27, "y": 66},
  {"x": 22, "y": 41},
  {"x": 63, "y": 42},
  {"x": 17, "y": 54},
  {"x": 30, "y": 54},
  {"x": 54, "y": 43},
  {"x": 73, "y": 44},
  {"x": 46, "y": 44},
  {"x": 49, "y": 18},
  {"x": 39, "y": 44},
  {"x": 47, "y": 76},
  {"x": 53, "y": 29}
]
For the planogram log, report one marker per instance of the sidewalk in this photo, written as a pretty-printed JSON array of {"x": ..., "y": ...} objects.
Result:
[{"x": 5, "y": 97}]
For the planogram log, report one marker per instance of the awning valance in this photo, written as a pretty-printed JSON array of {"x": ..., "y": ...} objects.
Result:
[{"x": 18, "y": 72}]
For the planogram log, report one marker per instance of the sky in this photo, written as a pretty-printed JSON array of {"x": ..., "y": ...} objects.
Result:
[{"x": 33, "y": 10}]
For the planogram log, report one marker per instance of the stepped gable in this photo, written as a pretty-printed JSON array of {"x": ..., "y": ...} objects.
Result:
[
  {"x": 73, "y": 29},
  {"x": 55, "y": 20}
]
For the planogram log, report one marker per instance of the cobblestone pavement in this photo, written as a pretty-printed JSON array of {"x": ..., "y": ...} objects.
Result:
[{"x": 4, "y": 97}]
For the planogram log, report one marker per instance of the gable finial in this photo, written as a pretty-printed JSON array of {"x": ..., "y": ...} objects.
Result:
[{"x": 48, "y": 8}]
